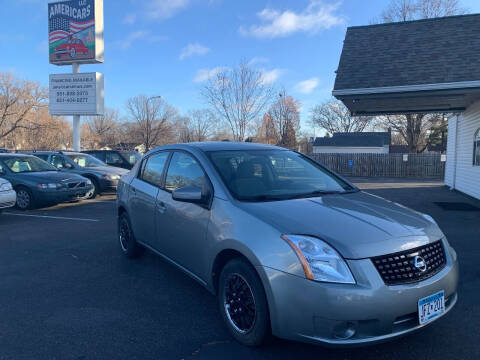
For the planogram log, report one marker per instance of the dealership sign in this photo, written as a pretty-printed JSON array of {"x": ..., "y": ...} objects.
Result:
[
  {"x": 76, "y": 94},
  {"x": 75, "y": 32}
]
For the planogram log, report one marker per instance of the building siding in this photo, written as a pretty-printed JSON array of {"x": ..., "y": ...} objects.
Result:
[{"x": 460, "y": 172}]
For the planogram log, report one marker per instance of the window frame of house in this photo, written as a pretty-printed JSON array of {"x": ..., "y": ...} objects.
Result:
[{"x": 476, "y": 148}]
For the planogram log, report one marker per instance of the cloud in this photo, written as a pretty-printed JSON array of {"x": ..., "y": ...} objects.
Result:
[
  {"x": 130, "y": 19},
  {"x": 164, "y": 9},
  {"x": 138, "y": 35},
  {"x": 205, "y": 74},
  {"x": 274, "y": 23},
  {"x": 258, "y": 60},
  {"x": 6, "y": 38},
  {"x": 307, "y": 86},
  {"x": 192, "y": 50},
  {"x": 42, "y": 47},
  {"x": 270, "y": 76}
]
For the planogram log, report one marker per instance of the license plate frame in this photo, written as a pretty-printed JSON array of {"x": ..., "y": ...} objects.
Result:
[{"x": 431, "y": 307}]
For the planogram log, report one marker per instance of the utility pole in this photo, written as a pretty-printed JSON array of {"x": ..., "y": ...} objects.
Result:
[{"x": 76, "y": 118}]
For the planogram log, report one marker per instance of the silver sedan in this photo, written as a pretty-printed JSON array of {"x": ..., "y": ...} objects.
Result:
[
  {"x": 290, "y": 248},
  {"x": 8, "y": 196}
]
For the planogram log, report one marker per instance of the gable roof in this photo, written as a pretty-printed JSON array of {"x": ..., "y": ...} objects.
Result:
[
  {"x": 423, "y": 52},
  {"x": 357, "y": 139}
]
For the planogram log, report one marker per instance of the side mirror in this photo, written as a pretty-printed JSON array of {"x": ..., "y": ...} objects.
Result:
[{"x": 191, "y": 194}]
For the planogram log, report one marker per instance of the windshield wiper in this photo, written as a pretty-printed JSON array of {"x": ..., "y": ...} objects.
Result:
[
  {"x": 323, "y": 192},
  {"x": 260, "y": 198}
]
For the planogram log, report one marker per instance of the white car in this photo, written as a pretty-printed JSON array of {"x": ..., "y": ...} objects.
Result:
[{"x": 8, "y": 196}]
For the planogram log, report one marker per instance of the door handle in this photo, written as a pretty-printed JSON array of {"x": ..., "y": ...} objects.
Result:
[{"x": 161, "y": 207}]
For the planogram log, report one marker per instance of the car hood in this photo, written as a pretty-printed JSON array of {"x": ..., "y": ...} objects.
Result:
[
  {"x": 3, "y": 181},
  {"x": 107, "y": 170},
  {"x": 358, "y": 225},
  {"x": 43, "y": 177}
]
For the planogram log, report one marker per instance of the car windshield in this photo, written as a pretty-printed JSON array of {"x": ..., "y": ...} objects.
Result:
[
  {"x": 131, "y": 156},
  {"x": 84, "y": 160},
  {"x": 27, "y": 164},
  {"x": 268, "y": 175}
]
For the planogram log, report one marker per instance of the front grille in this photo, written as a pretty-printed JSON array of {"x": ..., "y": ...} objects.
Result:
[{"x": 399, "y": 268}]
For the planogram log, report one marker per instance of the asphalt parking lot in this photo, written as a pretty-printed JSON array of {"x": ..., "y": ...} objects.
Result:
[{"x": 66, "y": 292}]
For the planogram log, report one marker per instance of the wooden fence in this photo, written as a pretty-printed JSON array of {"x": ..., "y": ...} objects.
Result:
[{"x": 384, "y": 165}]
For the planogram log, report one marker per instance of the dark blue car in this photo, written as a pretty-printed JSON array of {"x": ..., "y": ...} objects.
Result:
[{"x": 37, "y": 182}]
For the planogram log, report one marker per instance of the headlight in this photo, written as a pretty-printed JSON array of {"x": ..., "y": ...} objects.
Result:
[
  {"x": 429, "y": 218},
  {"x": 6, "y": 187},
  {"x": 49, "y": 186},
  {"x": 320, "y": 261},
  {"x": 111, "y": 177}
]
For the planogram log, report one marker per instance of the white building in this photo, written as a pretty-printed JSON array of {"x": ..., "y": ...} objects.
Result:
[
  {"x": 463, "y": 151},
  {"x": 426, "y": 66}
]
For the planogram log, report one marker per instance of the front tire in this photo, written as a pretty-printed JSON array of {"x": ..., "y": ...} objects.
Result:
[
  {"x": 92, "y": 194},
  {"x": 243, "y": 303},
  {"x": 24, "y": 199},
  {"x": 129, "y": 246}
]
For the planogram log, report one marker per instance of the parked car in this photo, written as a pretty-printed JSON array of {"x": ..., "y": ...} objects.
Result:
[
  {"x": 286, "y": 244},
  {"x": 104, "y": 178},
  {"x": 72, "y": 48},
  {"x": 36, "y": 181},
  {"x": 8, "y": 196},
  {"x": 120, "y": 158}
]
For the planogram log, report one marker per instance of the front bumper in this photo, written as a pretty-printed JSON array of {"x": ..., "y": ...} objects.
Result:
[
  {"x": 7, "y": 199},
  {"x": 108, "y": 185},
  {"x": 59, "y": 196},
  {"x": 304, "y": 310}
]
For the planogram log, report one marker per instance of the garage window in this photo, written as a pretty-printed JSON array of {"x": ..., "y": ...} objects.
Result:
[{"x": 476, "y": 149}]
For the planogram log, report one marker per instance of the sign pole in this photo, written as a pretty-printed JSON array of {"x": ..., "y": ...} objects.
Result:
[{"x": 76, "y": 118}]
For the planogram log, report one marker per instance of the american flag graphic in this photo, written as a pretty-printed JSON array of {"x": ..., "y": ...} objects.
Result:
[{"x": 61, "y": 27}]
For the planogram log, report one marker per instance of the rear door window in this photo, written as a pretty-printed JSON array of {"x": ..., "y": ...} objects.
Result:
[{"x": 152, "y": 171}]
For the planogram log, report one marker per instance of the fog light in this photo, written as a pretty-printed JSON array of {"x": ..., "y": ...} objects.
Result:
[{"x": 344, "y": 330}]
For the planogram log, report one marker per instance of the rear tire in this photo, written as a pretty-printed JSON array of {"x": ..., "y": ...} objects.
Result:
[
  {"x": 129, "y": 246},
  {"x": 24, "y": 198},
  {"x": 243, "y": 303}
]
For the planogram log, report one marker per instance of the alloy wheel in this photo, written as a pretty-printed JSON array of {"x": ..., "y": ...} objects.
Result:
[
  {"x": 23, "y": 199},
  {"x": 124, "y": 235},
  {"x": 239, "y": 303}
]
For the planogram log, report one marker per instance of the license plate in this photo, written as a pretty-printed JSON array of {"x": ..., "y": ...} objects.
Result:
[{"x": 431, "y": 307}]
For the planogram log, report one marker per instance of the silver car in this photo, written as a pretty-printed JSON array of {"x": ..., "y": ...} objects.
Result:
[
  {"x": 8, "y": 196},
  {"x": 289, "y": 248}
]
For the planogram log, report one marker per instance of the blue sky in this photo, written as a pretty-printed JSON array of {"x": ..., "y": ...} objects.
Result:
[{"x": 168, "y": 47}]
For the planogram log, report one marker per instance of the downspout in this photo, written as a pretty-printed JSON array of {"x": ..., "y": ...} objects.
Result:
[{"x": 455, "y": 156}]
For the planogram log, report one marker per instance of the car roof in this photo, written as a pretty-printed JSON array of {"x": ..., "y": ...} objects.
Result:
[
  {"x": 7, "y": 155},
  {"x": 221, "y": 146}
]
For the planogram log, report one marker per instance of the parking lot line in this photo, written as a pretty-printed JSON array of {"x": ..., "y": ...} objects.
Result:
[{"x": 50, "y": 217}]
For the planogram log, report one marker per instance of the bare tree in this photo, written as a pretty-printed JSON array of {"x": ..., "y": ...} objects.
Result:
[
  {"x": 197, "y": 126},
  {"x": 285, "y": 117},
  {"x": 406, "y": 10},
  {"x": 333, "y": 116},
  {"x": 153, "y": 117},
  {"x": 104, "y": 129},
  {"x": 238, "y": 96},
  {"x": 19, "y": 100}
]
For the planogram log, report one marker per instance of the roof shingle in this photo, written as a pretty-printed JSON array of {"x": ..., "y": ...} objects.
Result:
[{"x": 430, "y": 51}]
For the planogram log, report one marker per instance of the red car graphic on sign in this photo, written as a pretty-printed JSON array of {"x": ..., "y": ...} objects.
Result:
[{"x": 72, "y": 47}]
